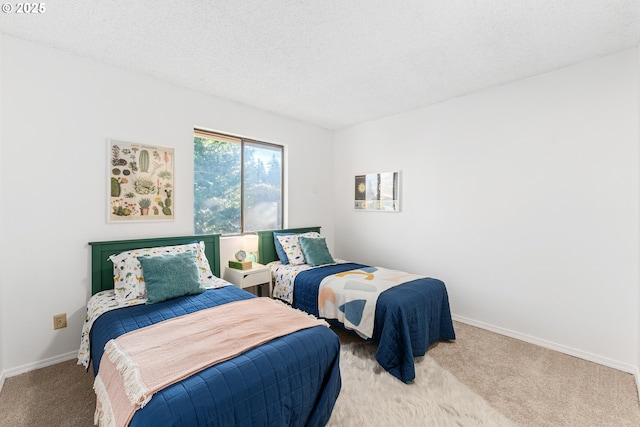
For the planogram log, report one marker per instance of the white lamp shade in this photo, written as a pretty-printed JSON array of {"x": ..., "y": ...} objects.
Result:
[{"x": 251, "y": 243}]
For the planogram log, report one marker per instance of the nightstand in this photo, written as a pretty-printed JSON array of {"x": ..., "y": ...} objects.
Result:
[{"x": 256, "y": 276}]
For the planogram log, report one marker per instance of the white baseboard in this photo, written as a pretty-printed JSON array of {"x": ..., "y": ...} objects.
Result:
[
  {"x": 554, "y": 346},
  {"x": 638, "y": 381},
  {"x": 1, "y": 380},
  {"x": 37, "y": 365}
]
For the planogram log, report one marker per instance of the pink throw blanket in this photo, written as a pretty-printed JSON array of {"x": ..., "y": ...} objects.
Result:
[{"x": 138, "y": 364}]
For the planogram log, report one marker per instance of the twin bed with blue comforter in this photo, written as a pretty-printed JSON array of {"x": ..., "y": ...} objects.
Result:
[
  {"x": 408, "y": 317},
  {"x": 292, "y": 380}
]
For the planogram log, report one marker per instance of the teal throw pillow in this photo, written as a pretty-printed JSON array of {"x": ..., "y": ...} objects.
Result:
[
  {"x": 315, "y": 251},
  {"x": 170, "y": 276}
]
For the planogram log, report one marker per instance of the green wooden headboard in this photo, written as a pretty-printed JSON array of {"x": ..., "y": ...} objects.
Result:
[
  {"x": 102, "y": 268},
  {"x": 266, "y": 246}
]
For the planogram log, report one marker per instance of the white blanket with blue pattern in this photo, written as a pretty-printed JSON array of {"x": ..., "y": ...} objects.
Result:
[{"x": 351, "y": 296}]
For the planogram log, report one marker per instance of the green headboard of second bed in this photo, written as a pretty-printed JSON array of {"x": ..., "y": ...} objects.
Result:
[{"x": 266, "y": 245}]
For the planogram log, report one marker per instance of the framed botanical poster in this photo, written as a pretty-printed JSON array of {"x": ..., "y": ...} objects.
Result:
[
  {"x": 378, "y": 192},
  {"x": 140, "y": 182}
]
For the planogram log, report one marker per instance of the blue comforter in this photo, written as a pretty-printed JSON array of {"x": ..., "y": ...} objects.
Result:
[
  {"x": 290, "y": 381},
  {"x": 408, "y": 318}
]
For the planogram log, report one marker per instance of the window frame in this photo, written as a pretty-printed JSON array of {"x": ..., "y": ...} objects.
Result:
[{"x": 202, "y": 133}]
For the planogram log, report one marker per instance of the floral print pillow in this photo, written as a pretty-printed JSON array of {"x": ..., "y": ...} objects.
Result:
[
  {"x": 128, "y": 278},
  {"x": 291, "y": 247}
]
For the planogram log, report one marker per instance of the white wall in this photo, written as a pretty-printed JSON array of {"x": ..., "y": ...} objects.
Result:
[
  {"x": 638, "y": 357},
  {"x": 522, "y": 198},
  {"x": 58, "y": 112},
  {"x": 1, "y": 225}
]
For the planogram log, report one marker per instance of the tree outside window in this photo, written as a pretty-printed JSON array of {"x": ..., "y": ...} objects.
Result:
[{"x": 237, "y": 184}]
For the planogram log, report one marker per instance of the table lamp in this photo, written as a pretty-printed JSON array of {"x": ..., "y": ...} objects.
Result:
[{"x": 251, "y": 246}]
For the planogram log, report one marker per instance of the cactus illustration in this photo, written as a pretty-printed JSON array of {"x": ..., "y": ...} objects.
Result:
[
  {"x": 144, "y": 160},
  {"x": 165, "y": 175},
  {"x": 115, "y": 153},
  {"x": 144, "y": 186},
  {"x": 167, "y": 203},
  {"x": 115, "y": 187}
]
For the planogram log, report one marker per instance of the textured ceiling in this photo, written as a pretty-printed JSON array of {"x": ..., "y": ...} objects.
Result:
[{"x": 335, "y": 63}]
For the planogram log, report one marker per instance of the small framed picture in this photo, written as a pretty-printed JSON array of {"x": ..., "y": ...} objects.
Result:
[{"x": 378, "y": 192}]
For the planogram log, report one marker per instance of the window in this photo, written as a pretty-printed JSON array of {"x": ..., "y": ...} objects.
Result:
[{"x": 237, "y": 184}]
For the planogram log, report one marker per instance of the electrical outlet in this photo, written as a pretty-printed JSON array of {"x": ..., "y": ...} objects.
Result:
[{"x": 60, "y": 321}]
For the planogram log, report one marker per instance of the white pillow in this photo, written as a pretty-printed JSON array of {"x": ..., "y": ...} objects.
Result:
[
  {"x": 128, "y": 278},
  {"x": 291, "y": 246}
]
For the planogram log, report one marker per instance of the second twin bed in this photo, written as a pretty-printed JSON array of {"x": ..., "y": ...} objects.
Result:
[{"x": 402, "y": 312}]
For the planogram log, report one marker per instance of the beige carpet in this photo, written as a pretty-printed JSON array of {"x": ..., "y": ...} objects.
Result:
[
  {"x": 59, "y": 395},
  {"x": 529, "y": 385},
  {"x": 535, "y": 386}
]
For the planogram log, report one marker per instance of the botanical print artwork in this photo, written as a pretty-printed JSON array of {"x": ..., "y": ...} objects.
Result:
[{"x": 141, "y": 182}]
